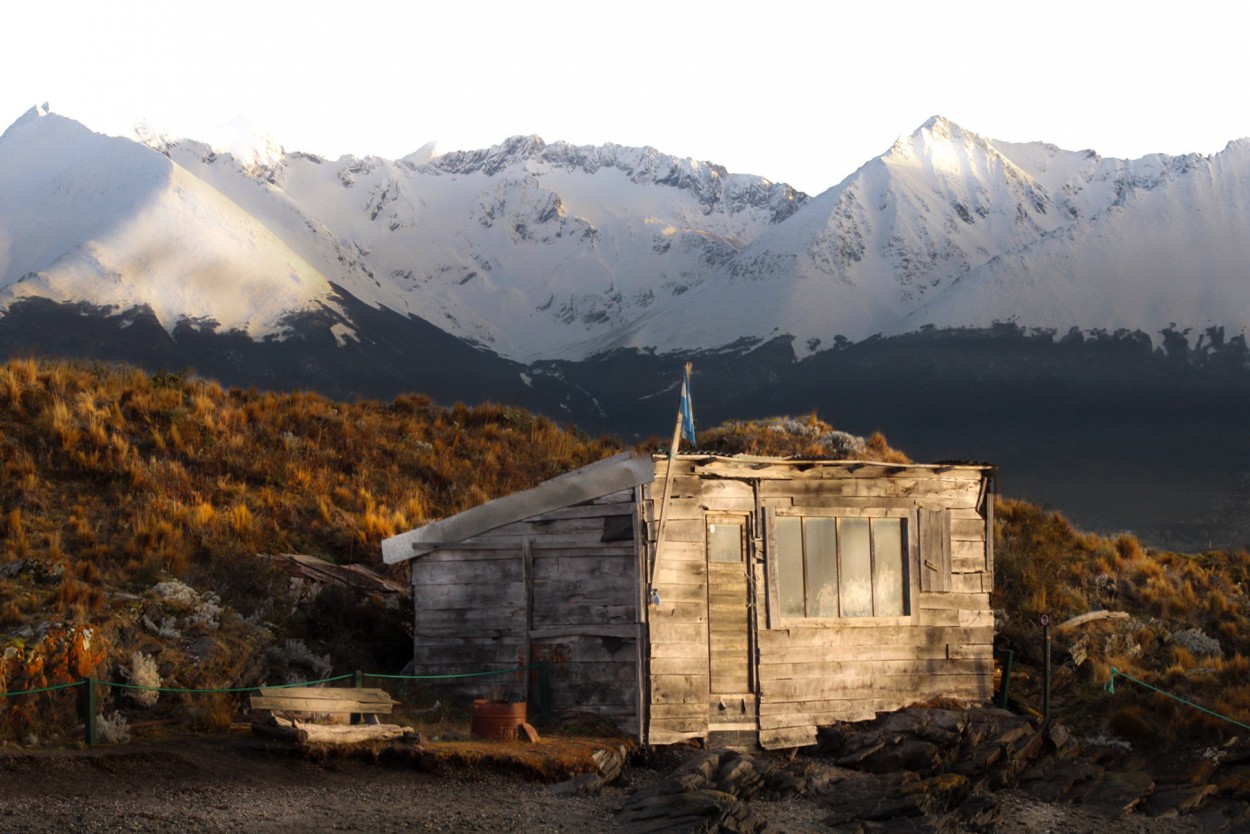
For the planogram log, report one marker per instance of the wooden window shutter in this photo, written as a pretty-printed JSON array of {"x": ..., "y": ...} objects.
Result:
[{"x": 935, "y": 551}]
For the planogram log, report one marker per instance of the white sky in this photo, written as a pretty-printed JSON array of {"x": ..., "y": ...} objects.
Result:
[{"x": 787, "y": 90}]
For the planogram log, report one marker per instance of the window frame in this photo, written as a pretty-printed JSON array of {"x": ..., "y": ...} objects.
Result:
[
  {"x": 741, "y": 520},
  {"x": 911, "y": 586}
]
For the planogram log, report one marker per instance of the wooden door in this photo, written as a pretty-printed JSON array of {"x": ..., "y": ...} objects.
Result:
[{"x": 731, "y": 673}]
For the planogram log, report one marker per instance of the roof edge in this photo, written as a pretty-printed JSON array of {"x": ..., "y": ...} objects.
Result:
[
  {"x": 595, "y": 480},
  {"x": 856, "y": 462}
]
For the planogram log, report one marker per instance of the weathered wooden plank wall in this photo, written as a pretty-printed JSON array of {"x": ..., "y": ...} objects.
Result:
[
  {"x": 836, "y": 670},
  {"x": 814, "y": 672},
  {"x": 560, "y": 588}
]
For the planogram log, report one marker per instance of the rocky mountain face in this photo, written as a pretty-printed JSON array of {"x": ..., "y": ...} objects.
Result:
[{"x": 974, "y": 298}]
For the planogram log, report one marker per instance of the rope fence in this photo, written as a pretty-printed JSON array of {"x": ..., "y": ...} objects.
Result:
[
  {"x": 538, "y": 666},
  {"x": 91, "y": 684},
  {"x": 1110, "y": 687},
  {"x": 544, "y": 686},
  {"x": 44, "y": 689}
]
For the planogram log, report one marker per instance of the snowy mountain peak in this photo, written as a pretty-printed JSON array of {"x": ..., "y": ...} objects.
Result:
[
  {"x": 937, "y": 140},
  {"x": 491, "y": 161},
  {"x": 938, "y": 126},
  {"x": 422, "y": 155},
  {"x": 1237, "y": 147},
  {"x": 253, "y": 147},
  {"x": 106, "y": 221},
  {"x": 712, "y": 184},
  {"x": 36, "y": 112}
]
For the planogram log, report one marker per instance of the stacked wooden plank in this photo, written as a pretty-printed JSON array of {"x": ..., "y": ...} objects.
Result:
[{"x": 320, "y": 715}]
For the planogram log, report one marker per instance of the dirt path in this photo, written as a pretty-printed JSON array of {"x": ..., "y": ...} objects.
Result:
[
  {"x": 257, "y": 787},
  {"x": 234, "y": 784}
]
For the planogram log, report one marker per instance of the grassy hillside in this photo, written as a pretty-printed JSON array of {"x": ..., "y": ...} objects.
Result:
[
  {"x": 132, "y": 508},
  {"x": 1187, "y": 629}
]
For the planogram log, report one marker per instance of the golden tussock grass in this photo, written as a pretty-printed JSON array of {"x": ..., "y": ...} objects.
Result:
[
  {"x": 1179, "y": 606},
  {"x": 11, "y": 614}
]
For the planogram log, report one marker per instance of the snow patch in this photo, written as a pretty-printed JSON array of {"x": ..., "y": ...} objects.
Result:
[{"x": 343, "y": 334}]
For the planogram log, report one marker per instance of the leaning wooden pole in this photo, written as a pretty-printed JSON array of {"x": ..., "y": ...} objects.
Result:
[{"x": 668, "y": 483}]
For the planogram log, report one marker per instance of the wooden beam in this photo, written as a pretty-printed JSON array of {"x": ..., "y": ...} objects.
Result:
[
  {"x": 1092, "y": 616},
  {"x": 622, "y": 630}
]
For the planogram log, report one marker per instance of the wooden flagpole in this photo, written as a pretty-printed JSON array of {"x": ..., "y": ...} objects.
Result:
[{"x": 668, "y": 483}]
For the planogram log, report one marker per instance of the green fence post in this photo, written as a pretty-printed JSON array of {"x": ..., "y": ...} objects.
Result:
[
  {"x": 359, "y": 680},
  {"x": 91, "y": 708}
]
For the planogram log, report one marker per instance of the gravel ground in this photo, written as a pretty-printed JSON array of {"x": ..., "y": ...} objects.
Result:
[
  {"x": 235, "y": 785},
  {"x": 250, "y": 785}
]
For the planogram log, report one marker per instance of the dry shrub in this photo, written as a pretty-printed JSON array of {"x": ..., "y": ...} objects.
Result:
[
  {"x": 239, "y": 519},
  {"x": 202, "y": 515},
  {"x": 52, "y": 549},
  {"x": 1235, "y": 667},
  {"x": 1182, "y": 660},
  {"x": 64, "y": 426},
  {"x": 86, "y": 571},
  {"x": 1129, "y": 548},
  {"x": 804, "y": 437},
  {"x": 880, "y": 450},
  {"x": 11, "y": 614},
  {"x": 26, "y": 371},
  {"x": 377, "y": 523},
  {"x": 11, "y": 386},
  {"x": 210, "y": 714},
  {"x": 76, "y": 600}
]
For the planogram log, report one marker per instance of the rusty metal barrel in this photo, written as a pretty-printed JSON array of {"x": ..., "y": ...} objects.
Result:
[{"x": 496, "y": 720}]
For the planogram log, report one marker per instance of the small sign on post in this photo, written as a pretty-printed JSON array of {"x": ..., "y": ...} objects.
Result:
[{"x": 1045, "y": 621}]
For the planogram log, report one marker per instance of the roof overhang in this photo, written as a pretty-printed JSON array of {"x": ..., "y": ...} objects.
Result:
[{"x": 610, "y": 475}]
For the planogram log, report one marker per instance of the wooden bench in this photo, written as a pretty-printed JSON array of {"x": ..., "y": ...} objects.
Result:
[{"x": 315, "y": 714}]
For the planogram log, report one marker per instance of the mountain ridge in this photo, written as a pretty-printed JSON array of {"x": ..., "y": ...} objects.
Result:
[{"x": 537, "y": 250}]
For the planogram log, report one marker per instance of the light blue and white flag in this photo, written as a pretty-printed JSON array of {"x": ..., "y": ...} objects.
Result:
[{"x": 687, "y": 408}]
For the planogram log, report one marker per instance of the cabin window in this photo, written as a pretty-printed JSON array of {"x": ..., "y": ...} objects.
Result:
[
  {"x": 839, "y": 567},
  {"x": 726, "y": 541}
]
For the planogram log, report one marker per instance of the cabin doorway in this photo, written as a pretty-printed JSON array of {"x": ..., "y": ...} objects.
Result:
[{"x": 732, "y": 709}]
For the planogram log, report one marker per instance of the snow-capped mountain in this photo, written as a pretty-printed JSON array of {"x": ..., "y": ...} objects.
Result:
[
  {"x": 1166, "y": 242},
  {"x": 950, "y": 228},
  {"x": 105, "y": 221},
  {"x": 525, "y": 248},
  {"x": 543, "y": 251}
]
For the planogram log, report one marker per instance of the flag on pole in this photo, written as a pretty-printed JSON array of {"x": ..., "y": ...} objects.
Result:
[
  {"x": 683, "y": 427},
  {"x": 687, "y": 408}
]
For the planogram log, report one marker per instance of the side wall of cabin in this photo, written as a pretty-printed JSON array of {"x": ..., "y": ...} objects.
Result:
[
  {"x": 562, "y": 588},
  {"x": 807, "y": 667}
]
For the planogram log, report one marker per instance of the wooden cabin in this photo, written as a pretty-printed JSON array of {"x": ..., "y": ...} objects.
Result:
[{"x": 762, "y": 598}]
